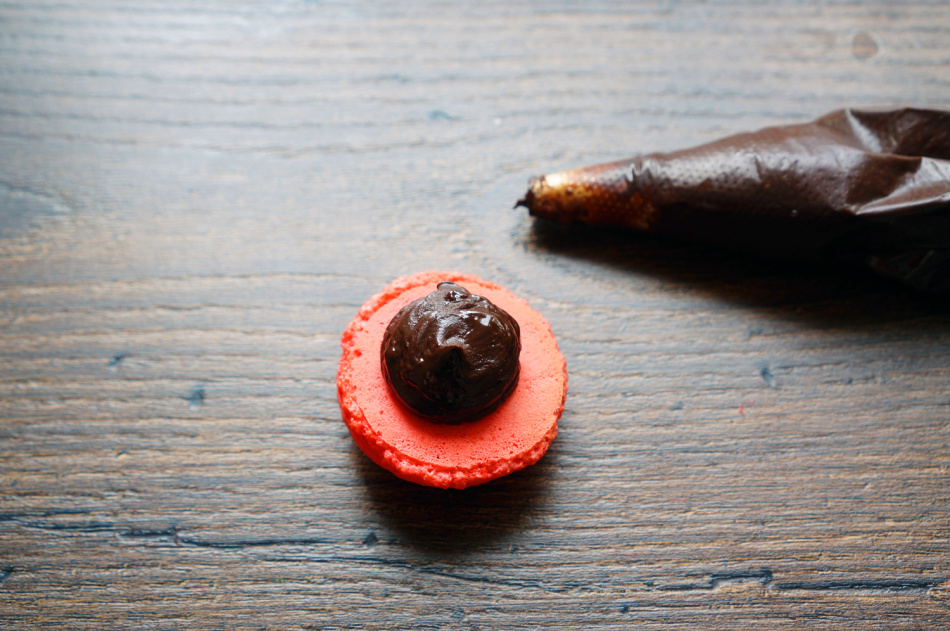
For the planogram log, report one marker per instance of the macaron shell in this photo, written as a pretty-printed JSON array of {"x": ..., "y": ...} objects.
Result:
[{"x": 512, "y": 437}]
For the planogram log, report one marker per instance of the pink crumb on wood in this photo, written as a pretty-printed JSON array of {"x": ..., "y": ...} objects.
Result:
[{"x": 747, "y": 402}]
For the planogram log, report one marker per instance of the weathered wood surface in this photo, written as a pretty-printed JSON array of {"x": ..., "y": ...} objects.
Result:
[{"x": 195, "y": 198}]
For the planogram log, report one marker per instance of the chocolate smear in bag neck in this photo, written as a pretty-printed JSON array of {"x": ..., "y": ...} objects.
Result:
[
  {"x": 451, "y": 356},
  {"x": 861, "y": 187}
]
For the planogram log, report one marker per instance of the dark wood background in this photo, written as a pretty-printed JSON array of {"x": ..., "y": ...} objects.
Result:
[{"x": 196, "y": 197}]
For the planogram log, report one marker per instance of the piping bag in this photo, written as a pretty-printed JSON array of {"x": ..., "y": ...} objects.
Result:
[{"x": 867, "y": 188}]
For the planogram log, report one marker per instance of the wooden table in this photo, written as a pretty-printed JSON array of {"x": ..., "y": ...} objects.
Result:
[{"x": 196, "y": 197}]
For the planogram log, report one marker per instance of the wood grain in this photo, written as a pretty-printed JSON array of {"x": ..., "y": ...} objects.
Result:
[{"x": 196, "y": 197}]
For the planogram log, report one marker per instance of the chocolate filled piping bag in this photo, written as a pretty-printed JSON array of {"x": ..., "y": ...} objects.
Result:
[{"x": 864, "y": 187}]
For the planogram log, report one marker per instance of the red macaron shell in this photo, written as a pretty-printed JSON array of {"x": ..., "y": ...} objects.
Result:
[{"x": 512, "y": 437}]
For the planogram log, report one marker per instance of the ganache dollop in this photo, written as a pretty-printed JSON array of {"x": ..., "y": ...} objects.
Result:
[{"x": 451, "y": 356}]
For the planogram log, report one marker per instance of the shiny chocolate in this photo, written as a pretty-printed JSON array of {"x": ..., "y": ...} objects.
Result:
[{"x": 451, "y": 356}]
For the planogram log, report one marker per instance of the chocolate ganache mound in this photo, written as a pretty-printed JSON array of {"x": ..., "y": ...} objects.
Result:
[{"x": 451, "y": 356}]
